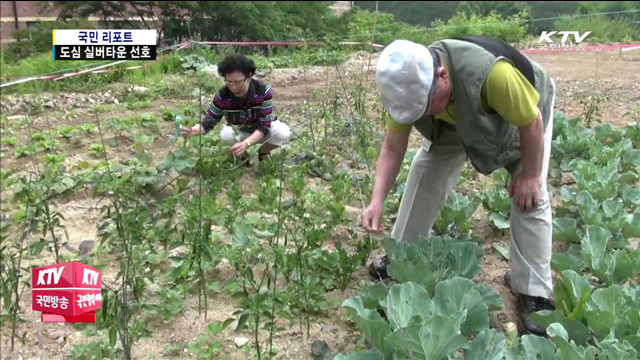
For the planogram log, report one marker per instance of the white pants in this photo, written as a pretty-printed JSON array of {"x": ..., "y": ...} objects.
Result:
[
  {"x": 279, "y": 133},
  {"x": 434, "y": 173}
]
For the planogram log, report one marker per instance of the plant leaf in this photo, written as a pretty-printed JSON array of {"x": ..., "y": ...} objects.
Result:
[
  {"x": 565, "y": 230},
  {"x": 572, "y": 293},
  {"x": 535, "y": 347},
  {"x": 488, "y": 345},
  {"x": 459, "y": 298},
  {"x": 406, "y": 301},
  {"x": 500, "y": 221},
  {"x": 441, "y": 338},
  {"x": 370, "y": 323},
  {"x": 577, "y": 331}
]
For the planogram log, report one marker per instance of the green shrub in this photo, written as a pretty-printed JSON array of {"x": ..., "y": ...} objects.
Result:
[
  {"x": 36, "y": 40},
  {"x": 508, "y": 30},
  {"x": 602, "y": 29}
]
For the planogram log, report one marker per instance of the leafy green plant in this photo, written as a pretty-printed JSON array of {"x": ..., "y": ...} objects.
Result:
[
  {"x": 12, "y": 276},
  {"x": 170, "y": 304},
  {"x": 456, "y": 213},
  {"x": 48, "y": 144},
  {"x": 148, "y": 120},
  {"x": 586, "y": 313},
  {"x": 610, "y": 267},
  {"x": 193, "y": 63},
  {"x": 341, "y": 263},
  {"x": 24, "y": 150},
  {"x": 96, "y": 150},
  {"x": 603, "y": 29},
  {"x": 38, "y": 136},
  {"x": 137, "y": 104},
  {"x": 53, "y": 159},
  {"x": 88, "y": 128},
  {"x": 494, "y": 25},
  {"x": 169, "y": 114},
  {"x": 206, "y": 346},
  {"x": 67, "y": 132},
  {"x": 121, "y": 126},
  {"x": 9, "y": 140},
  {"x": 432, "y": 259},
  {"x": 419, "y": 326},
  {"x": 610, "y": 213},
  {"x": 592, "y": 105},
  {"x": 632, "y": 131},
  {"x": 99, "y": 349},
  {"x": 498, "y": 202}
]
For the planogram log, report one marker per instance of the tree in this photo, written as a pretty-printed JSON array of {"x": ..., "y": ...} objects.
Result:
[
  {"x": 505, "y": 9},
  {"x": 128, "y": 13},
  {"x": 414, "y": 12},
  {"x": 216, "y": 20}
]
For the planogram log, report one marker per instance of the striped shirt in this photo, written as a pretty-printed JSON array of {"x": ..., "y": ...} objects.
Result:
[{"x": 254, "y": 112}]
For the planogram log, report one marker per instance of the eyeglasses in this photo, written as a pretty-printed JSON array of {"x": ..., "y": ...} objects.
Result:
[{"x": 236, "y": 83}]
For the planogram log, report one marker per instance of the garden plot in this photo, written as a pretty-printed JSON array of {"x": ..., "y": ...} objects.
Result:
[{"x": 180, "y": 230}]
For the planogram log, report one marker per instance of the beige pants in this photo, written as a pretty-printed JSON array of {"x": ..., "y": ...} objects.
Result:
[{"x": 433, "y": 174}]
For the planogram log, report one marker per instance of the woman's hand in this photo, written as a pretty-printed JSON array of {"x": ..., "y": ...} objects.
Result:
[
  {"x": 239, "y": 148},
  {"x": 195, "y": 130}
]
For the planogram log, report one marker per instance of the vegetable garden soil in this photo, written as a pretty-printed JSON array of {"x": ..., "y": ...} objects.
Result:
[{"x": 575, "y": 77}]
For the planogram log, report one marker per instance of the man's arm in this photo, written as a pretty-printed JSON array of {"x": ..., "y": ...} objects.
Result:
[
  {"x": 511, "y": 95},
  {"x": 394, "y": 148},
  {"x": 391, "y": 156},
  {"x": 525, "y": 186},
  {"x": 532, "y": 147}
]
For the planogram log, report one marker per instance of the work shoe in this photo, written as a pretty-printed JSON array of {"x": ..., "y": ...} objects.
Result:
[
  {"x": 527, "y": 305},
  {"x": 378, "y": 268}
]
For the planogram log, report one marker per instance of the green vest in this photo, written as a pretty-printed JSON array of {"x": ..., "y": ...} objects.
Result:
[{"x": 490, "y": 141}]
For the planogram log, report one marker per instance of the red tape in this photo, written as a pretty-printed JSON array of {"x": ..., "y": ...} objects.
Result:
[{"x": 303, "y": 43}]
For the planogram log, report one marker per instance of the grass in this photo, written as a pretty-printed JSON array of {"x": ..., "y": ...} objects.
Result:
[{"x": 602, "y": 29}]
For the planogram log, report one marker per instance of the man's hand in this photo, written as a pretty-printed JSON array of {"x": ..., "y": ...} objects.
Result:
[
  {"x": 525, "y": 191},
  {"x": 371, "y": 217},
  {"x": 239, "y": 148}
]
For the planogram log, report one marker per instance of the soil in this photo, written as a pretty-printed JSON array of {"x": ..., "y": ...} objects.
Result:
[{"x": 618, "y": 77}]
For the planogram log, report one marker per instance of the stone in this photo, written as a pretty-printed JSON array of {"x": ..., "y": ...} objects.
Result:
[
  {"x": 240, "y": 341},
  {"x": 140, "y": 89},
  {"x": 86, "y": 247}
]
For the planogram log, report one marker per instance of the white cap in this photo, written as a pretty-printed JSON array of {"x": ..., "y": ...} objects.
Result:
[{"x": 404, "y": 75}]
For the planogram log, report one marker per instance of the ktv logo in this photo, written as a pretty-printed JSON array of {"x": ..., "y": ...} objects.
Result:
[
  {"x": 67, "y": 292},
  {"x": 546, "y": 40}
]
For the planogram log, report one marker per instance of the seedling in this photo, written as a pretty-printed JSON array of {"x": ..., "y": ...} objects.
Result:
[{"x": 96, "y": 150}]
